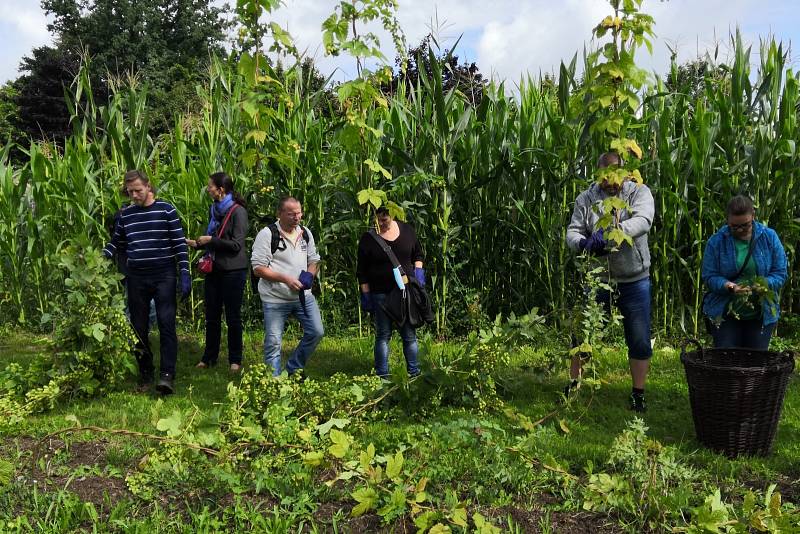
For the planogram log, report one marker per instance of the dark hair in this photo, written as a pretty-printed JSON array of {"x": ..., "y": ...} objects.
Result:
[
  {"x": 225, "y": 182},
  {"x": 383, "y": 211},
  {"x": 609, "y": 158},
  {"x": 135, "y": 174},
  {"x": 740, "y": 205},
  {"x": 285, "y": 200}
]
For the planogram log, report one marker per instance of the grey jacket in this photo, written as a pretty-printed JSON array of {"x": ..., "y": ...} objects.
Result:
[
  {"x": 289, "y": 261},
  {"x": 628, "y": 264}
]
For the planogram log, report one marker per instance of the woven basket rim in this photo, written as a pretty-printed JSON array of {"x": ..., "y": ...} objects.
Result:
[{"x": 777, "y": 361}]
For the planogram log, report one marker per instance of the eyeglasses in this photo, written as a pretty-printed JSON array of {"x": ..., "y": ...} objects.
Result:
[{"x": 743, "y": 226}]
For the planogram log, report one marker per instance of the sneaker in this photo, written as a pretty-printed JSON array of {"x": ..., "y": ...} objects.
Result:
[
  {"x": 571, "y": 388},
  {"x": 235, "y": 368},
  {"x": 202, "y": 365},
  {"x": 166, "y": 384},
  {"x": 638, "y": 403}
]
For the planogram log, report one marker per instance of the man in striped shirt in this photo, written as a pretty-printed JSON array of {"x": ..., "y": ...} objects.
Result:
[{"x": 150, "y": 233}]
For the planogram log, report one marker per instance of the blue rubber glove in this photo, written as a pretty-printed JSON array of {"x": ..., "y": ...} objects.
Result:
[
  {"x": 366, "y": 302},
  {"x": 186, "y": 285},
  {"x": 306, "y": 278},
  {"x": 419, "y": 274},
  {"x": 595, "y": 244}
]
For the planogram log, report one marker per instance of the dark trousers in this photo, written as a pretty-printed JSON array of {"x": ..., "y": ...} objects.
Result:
[
  {"x": 160, "y": 287},
  {"x": 745, "y": 334},
  {"x": 224, "y": 288}
]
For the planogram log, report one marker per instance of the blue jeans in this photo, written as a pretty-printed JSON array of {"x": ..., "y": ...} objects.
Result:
[
  {"x": 275, "y": 315},
  {"x": 383, "y": 333},
  {"x": 633, "y": 301},
  {"x": 745, "y": 334},
  {"x": 224, "y": 288},
  {"x": 142, "y": 289}
]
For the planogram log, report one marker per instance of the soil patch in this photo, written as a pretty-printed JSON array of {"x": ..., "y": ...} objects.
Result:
[{"x": 94, "y": 489}]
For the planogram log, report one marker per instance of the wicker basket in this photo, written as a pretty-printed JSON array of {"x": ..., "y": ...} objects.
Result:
[{"x": 736, "y": 396}]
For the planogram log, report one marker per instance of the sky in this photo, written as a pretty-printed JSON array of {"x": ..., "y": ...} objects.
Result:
[{"x": 508, "y": 39}]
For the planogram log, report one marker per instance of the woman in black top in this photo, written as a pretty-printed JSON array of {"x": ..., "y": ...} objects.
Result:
[
  {"x": 375, "y": 275},
  {"x": 224, "y": 285}
]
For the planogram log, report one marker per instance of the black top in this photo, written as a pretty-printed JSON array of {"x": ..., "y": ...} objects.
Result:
[
  {"x": 375, "y": 268},
  {"x": 230, "y": 252}
]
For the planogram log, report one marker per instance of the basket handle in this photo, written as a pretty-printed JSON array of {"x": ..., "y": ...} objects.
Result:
[{"x": 692, "y": 341}]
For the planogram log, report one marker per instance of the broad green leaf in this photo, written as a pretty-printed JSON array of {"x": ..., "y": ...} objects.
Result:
[
  {"x": 396, "y": 505},
  {"x": 338, "y": 423},
  {"x": 366, "y": 457},
  {"x": 374, "y": 166},
  {"x": 341, "y": 443},
  {"x": 313, "y": 458},
  {"x": 259, "y": 136},
  {"x": 583, "y": 348},
  {"x": 7, "y": 471},
  {"x": 171, "y": 425},
  {"x": 394, "y": 466},
  {"x": 366, "y": 498},
  {"x": 459, "y": 516}
]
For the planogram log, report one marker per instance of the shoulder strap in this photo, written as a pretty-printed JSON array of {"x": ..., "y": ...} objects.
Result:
[
  {"x": 385, "y": 246},
  {"x": 746, "y": 258},
  {"x": 225, "y": 221},
  {"x": 277, "y": 238}
]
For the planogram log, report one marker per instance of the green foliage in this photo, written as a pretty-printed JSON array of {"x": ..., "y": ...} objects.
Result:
[
  {"x": 757, "y": 294},
  {"x": 755, "y": 513},
  {"x": 92, "y": 349},
  {"x": 468, "y": 177},
  {"x": 649, "y": 483}
]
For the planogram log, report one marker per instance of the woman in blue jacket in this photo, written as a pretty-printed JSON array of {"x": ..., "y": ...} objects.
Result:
[{"x": 744, "y": 268}]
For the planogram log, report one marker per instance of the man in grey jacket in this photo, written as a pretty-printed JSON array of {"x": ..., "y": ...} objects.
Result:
[
  {"x": 628, "y": 267},
  {"x": 286, "y": 263}
]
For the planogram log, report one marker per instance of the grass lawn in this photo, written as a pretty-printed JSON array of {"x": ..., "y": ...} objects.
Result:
[{"x": 469, "y": 457}]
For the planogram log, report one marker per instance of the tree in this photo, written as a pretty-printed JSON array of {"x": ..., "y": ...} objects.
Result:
[
  {"x": 691, "y": 77},
  {"x": 9, "y": 112},
  {"x": 466, "y": 77},
  {"x": 42, "y": 112},
  {"x": 167, "y": 43}
]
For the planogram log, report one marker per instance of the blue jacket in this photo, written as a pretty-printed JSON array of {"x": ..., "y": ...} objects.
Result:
[{"x": 719, "y": 266}]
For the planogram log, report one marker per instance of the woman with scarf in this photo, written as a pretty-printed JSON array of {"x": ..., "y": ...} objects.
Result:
[{"x": 224, "y": 285}]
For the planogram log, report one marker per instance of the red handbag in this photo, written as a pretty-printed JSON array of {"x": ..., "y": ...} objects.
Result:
[{"x": 206, "y": 262}]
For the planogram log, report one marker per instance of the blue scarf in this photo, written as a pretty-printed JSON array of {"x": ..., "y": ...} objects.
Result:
[{"x": 218, "y": 210}]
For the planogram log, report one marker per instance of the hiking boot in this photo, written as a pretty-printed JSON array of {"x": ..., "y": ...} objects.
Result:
[
  {"x": 638, "y": 403},
  {"x": 166, "y": 384}
]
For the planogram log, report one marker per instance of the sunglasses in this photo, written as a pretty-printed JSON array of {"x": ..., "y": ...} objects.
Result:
[{"x": 743, "y": 226}]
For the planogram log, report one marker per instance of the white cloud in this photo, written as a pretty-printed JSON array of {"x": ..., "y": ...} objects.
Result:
[{"x": 23, "y": 26}]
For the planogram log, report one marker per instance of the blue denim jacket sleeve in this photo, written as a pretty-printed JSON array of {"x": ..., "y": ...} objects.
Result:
[
  {"x": 777, "y": 274},
  {"x": 712, "y": 261}
]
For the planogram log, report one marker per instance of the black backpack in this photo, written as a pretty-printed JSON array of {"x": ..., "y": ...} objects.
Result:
[{"x": 277, "y": 238}]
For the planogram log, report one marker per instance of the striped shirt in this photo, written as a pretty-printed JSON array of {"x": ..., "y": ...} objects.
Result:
[{"x": 151, "y": 237}]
